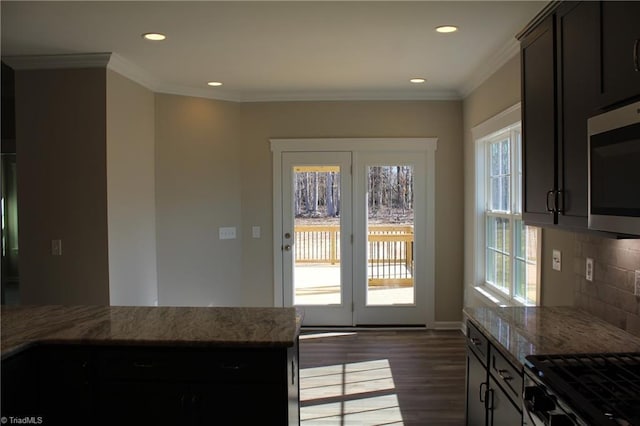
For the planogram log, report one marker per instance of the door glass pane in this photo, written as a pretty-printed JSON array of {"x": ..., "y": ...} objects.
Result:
[
  {"x": 317, "y": 271},
  {"x": 390, "y": 224}
]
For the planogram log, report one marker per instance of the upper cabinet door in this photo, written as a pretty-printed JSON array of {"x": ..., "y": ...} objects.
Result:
[
  {"x": 620, "y": 51},
  {"x": 539, "y": 123},
  {"x": 578, "y": 41}
]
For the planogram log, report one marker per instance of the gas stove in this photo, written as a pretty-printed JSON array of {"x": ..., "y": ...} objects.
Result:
[{"x": 582, "y": 389}]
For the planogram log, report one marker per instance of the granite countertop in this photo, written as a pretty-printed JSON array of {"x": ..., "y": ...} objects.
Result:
[
  {"x": 23, "y": 326},
  {"x": 522, "y": 331}
]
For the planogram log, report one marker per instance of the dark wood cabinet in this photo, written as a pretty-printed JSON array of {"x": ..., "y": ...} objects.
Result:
[
  {"x": 578, "y": 41},
  {"x": 66, "y": 380},
  {"x": 103, "y": 385},
  {"x": 196, "y": 387},
  {"x": 476, "y": 391},
  {"x": 539, "y": 166},
  {"x": 494, "y": 385},
  {"x": 19, "y": 386},
  {"x": 620, "y": 51},
  {"x": 502, "y": 411},
  {"x": 572, "y": 69}
]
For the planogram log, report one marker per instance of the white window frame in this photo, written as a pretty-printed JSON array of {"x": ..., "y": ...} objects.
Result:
[{"x": 484, "y": 133}]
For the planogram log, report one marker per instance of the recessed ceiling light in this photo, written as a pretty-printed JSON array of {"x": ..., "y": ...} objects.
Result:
[
  {"x": 214, "y": 83},
  {"x": 154, "y": 36},
  {"x": 418, "y": 80},
  {"x": 446, "y": 29}
]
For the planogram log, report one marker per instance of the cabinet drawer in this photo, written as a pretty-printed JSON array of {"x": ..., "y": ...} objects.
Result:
[
  {"x": 219, "y": 366},
  {"x": 478, "y": 342},
  {"x": 508, "y": 376}
]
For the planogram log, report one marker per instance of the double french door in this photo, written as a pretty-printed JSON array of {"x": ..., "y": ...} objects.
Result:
[{"x": 353, "y": 237}]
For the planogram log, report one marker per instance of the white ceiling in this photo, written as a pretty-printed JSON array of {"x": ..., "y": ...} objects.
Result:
[{"x": 280, "y": 50}]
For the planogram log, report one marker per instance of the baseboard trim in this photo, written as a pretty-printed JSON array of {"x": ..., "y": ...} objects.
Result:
[
  {"x": 438, "y": 325},
  {"x": 447, "y": 325}
]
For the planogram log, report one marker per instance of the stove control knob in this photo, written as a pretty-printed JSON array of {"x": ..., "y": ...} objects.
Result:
[
  {"x": 537, "y": 399},
  {"x": 560, "y": 420}
]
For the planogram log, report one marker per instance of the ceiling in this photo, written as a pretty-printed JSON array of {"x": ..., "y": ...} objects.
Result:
[{"x": 293, "y": 50}]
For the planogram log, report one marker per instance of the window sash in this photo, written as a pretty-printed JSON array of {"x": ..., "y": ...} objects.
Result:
[{"x": 510, "y": 267}]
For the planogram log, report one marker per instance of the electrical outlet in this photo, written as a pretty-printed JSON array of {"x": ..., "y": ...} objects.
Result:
[
  {"x": 636, "y": 287},
  {"x": 589, "y": 269},
  {"x": 56, "y": 247},
  {"x": 557, "y": 260},
  {"x": 228, "y": 233}
]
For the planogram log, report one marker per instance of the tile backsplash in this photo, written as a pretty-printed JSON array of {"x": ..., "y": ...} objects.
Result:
[{"x": 610, "y": 294}]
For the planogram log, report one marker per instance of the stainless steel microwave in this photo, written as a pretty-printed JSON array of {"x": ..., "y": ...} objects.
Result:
[{"x": 614, "y": 170}]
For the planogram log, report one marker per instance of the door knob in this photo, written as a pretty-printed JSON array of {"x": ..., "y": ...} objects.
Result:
[{"x": 287, "y": 247}]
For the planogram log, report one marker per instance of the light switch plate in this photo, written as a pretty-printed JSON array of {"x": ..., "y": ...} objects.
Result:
[
  {"x": 56, "y": 247},
  {"x": 557, "y": 260},
  {"x": 227, "y": 233},
  {"x": 589, "y": 269},
  {"x": 255, "y": 232}
]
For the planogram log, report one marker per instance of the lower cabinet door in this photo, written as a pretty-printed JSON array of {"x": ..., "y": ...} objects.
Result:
[
  {"x": 245, "y": 404},
  {"x": 502, "y": 412},
  {"x": 66, "y": 385},
  {"x": 476, "y": 390},
  {"x": 144, "y": 403},
  {"x": 19, "y": 387}
]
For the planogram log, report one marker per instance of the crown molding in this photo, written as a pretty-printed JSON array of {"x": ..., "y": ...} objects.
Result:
[
  {"x": 352, "y": 95},
  {"x": 489, "y": 67},
  {"x": 133, "y": 72},
  {"x": 48, "y": 62},
  {"x": 127, "y": 69},
  {"x": 302, "y": 96}
]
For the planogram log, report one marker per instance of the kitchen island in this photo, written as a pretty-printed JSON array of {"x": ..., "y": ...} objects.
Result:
[{"x": 150, "y": 365}]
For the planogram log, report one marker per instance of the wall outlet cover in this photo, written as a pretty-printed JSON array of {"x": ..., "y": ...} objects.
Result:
[
  {"x": 56, "y": 247},
  {"x": 228, "y": 233},
  {"x": 589, "y": 269},
  {"x": 557, "y": 260}
]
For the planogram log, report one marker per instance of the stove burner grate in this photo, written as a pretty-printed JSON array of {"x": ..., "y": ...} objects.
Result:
[{"x": 600, "y": 386}]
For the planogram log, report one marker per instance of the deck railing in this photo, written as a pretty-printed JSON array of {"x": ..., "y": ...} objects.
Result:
[{"x": 390, "y": 251}]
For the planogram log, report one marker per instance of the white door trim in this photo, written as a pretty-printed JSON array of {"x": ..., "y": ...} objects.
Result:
[{"x": 426, "y": 145}]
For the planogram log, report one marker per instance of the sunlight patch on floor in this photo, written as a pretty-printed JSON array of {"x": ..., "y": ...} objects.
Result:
[{"x": 359, "y": 393}]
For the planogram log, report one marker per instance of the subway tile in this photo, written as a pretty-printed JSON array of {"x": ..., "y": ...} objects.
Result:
[{"x": 633, "y": 324}]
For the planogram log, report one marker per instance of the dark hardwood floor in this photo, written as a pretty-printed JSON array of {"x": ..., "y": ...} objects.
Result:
[{"x": 382, "y": 378}]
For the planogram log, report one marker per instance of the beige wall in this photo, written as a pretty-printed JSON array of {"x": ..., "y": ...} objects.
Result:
[
  {"x": 557, "y": 286},
  {"x": 60, "y": 129},
  {"x": 262, "y": 121},
  {"x": 198, "y": 190},
  {"x": 130, "y": 147},
  {"x": 496, "y": 94}
]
